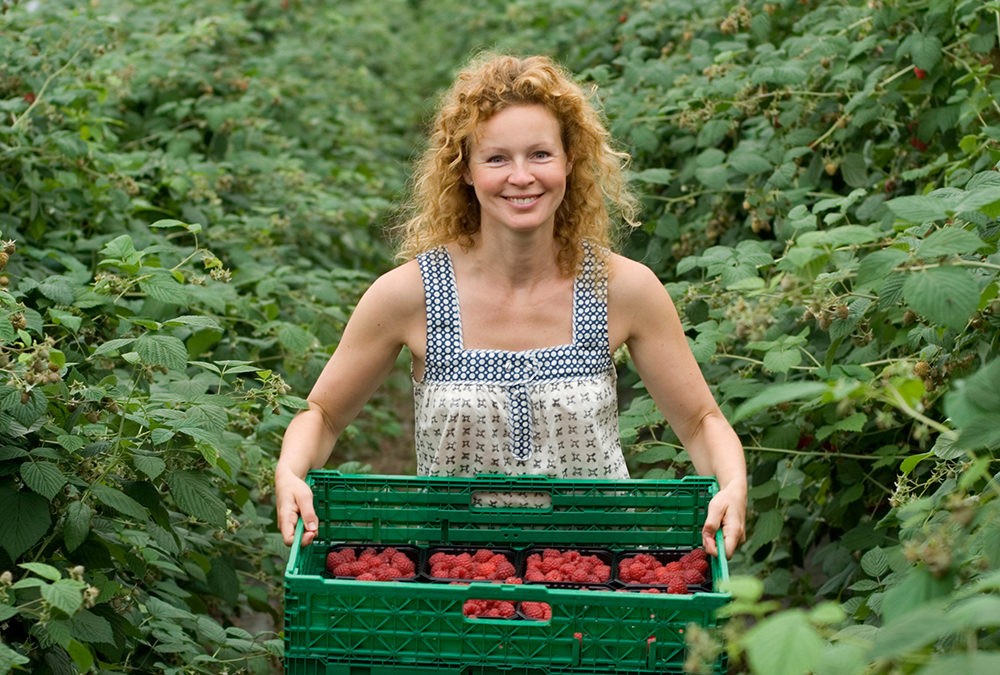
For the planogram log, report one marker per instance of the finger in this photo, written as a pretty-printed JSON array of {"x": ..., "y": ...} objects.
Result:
[
  {"x": 712, "y": 523},
  {"x": 309, "y": 519}
]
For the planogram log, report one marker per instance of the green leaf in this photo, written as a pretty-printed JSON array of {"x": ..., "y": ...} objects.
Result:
[
  {"x": 949, "y": 241},
  {"x": 112, "y": 346},
  {"x": 918, "y": 208},
  {"x": 655, "y": 176},
  {"x": 25, "y": 520},
  {"x": 295, "y": 339},
  {"x": 119, "y": 501},
  {"x": 150, "y": 465},
  {"x": 782, "y": 360},
  {"x": 875, "y": 562},
  {"x": 89, "y": 627},
  {"x": 944, "y": 295},
  {"x": 194, "y": 321},
  {"x": 65, "y": 595},
  {"x": 196, "y": 496},
  {"x": 43, "y": 477},
  {"x": 783, "y": 644},
  {"x": 9, "y": 659},
  {"x": 42, "y": 570},
  {"x": 917, "y": 628},
  {"x": 82, "y": 657},
  {"x": 76, "y": 524},
  {"x": 777, "y": 394},
  {"x": 876, "y": 265},
  {"x": 748, "y": 162},
  {"x": 163, "y": 287},
  {"x": 925, "y": 50},
  {"x": 969, "y": 662},
  {"x": 161, "y": 350}
]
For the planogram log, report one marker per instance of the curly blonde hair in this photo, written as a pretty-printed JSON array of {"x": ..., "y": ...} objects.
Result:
[{"x": 444, "y": 209}]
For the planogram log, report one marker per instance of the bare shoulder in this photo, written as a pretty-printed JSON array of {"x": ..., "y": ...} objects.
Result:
[
  {"x": 393, "y": 306},
  {"x": 631, "y": 282},
  {"x": 639, "y": 308}
]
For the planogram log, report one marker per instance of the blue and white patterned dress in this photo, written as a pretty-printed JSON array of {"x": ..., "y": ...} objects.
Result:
[{"x": 551, "y": 411}]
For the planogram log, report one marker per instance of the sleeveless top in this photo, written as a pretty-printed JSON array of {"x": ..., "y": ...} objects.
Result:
[{"x": 551, "y": 411}]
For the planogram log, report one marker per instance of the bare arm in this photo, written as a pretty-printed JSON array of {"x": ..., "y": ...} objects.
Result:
[
  {"x": 645, "y": 318},
  {"x": 385, "y": 319}
]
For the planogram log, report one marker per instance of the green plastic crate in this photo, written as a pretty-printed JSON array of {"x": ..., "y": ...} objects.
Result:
[{"x": 348, "y": 627}]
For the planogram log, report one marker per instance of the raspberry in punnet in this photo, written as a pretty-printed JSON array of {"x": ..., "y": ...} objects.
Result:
[
  {"x": 482, "y": 564},
  {"x": 568, "y": 566},
  {"x": 540, "y": 611},
  {"x": 371, "y": 564},
  {"x": 690, "y": 569}
]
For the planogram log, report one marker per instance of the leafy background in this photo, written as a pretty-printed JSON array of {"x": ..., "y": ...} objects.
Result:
[{"x": 192, "y": 200}]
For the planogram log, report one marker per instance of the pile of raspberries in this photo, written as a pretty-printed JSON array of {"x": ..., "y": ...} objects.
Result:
[
  {"x": 643, "y": 568},
  {"x": 372, "y": 565},
  {"x": 550, "y": 565},
  {"x": 483, "y": 564},
  {"x": 566, "y": 566}
]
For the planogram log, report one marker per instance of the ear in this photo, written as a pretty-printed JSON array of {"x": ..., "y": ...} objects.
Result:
[{"x": 467, "y": 177}]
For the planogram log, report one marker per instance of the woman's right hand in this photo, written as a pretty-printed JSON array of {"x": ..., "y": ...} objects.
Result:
[{"x": 294, "y": 500}]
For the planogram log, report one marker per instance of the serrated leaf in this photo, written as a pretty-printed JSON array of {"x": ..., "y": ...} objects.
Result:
[
  {"x": 42, "y": 570},
  {"x": 9, "y": 659},
  {"x": 196, "y": 496},
  {"x": 89, "y": 627},
  {"x": 777, "y": 394},
  {"x": 82, "y": 657},
  {"x": 918, "y": 208},
  {"x": 925, "y": 50},
  {"x": 65, "y": 595},
  {"x": 943, "y": 295},
  {"x": 875, "y": 562},
  {"x": 749, "y": 163},
  {"x": 782, "y": 360},
  {"x": 783, "y": 644},
  {"x": 76, "y": 524},
  {"x": 45, "y": 478},
  {"x": 150, "y": 465},
  {"x": 295, "y": 339},
  {"x": 949, "y": 241},
  {"x": 119, "y": 501},
  {"x": 161, "y": 350},
  {"x": 25, "y": 520},
  {"x": 162, "y": 287},
  {"x": 876, "y": 265},
  {"x": 194, "y": 321},
  {"x": 112, "y": 346}
]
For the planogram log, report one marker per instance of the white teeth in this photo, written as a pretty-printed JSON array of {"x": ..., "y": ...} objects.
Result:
[{"x": 521, "y": 200}]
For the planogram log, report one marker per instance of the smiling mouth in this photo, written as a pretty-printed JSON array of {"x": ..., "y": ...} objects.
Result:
[{"x": 522, "y": 200}]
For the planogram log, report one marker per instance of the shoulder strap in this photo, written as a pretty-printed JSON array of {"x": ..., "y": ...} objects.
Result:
[
  {"x": 444, "y": 326},
  {"x": 590, "y": 301}
]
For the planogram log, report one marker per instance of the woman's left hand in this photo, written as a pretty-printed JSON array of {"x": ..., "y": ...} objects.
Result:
[{"x": 727, "y": 510}]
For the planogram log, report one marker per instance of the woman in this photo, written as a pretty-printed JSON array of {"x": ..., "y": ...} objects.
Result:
[{"x": 511, "y": 306}]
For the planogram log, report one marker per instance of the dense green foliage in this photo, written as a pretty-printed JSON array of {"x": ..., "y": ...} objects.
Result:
[{"x": 191, "y": 201}]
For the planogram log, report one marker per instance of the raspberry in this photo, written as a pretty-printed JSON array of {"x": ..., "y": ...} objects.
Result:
[{"x": 540, "y": 611}]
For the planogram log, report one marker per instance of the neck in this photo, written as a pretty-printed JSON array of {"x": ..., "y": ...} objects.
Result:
[{"x": 516, "y": 261}]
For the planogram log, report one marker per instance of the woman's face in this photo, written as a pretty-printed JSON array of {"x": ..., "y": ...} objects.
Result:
[{"x": 518, "y": 167}]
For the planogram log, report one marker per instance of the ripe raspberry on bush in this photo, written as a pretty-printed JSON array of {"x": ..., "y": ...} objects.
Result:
[
  {"x": 566, "y": 567},
  {"x": 371, "y": 565},
  {"x": 483, "y": 564},
  {"x": 677, "y": 575}
]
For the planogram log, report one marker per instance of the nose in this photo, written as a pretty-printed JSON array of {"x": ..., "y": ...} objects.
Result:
[{"x": 520, "y": 174}]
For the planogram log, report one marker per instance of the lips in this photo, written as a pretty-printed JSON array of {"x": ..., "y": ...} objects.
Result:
[{"x": 523, "y": 200}]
